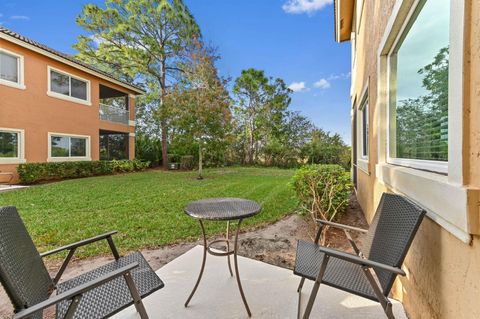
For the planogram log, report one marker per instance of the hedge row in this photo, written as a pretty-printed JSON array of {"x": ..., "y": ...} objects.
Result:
[{"x": 31, "y": 173}]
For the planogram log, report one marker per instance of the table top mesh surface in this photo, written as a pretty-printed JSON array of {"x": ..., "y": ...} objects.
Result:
[{"x": 222, "y": 208}]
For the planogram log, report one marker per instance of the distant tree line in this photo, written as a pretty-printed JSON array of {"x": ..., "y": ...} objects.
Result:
[{"x": 189, "y": 110}]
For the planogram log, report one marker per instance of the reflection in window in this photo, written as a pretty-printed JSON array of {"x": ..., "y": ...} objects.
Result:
[
  {"x": 60, "y": 146},
  {"x": 60, "y": 83},
  {"x": 419, "y": 86},
  {"x": 9, "y": 144},
  {"x": 67, "y": 85},
  {"x": 65, "y": 146},
  {"x": 113, "y": 146},
  {"x": 78, "y": 147},
  {"x": 9, "y": 67},
  {"x": 79, "y": 89}
]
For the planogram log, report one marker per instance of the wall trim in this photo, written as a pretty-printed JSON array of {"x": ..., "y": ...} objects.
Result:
[
  {"x": 432, "y": 192},
  {"x": 87, "y": 156},
  {"x": 362, "y": 165},
  {"x": 50, "y": 93}
]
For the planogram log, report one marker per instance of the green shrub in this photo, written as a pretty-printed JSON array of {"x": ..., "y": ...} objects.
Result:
[
  {"x": 31, "y": 173},
  {"x": 322, "y": 190},
  {"x": 148, "y": 149}
]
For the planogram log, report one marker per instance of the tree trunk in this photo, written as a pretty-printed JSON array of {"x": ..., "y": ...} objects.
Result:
[
  {"x": 163, "y": 93},
  {"x": 200, "y": 161},
  {"x": 164, "y": 145},
  {"x": 250, "y": 146}
]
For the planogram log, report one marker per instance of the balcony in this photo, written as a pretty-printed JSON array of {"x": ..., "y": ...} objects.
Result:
[
  {"x": 114, "y": 114},
  {"x": 113, "y": 106}
]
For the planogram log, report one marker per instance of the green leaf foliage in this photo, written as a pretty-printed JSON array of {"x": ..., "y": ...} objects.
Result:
[
  {"x": 322, "y": 190},
  {"x": 31, "y": 173},
  {"x": 141, "y": 41}
]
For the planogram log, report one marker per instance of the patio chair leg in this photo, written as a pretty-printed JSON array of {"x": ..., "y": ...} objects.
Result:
[
  {"x": 137, "y": 300},
  {"x": 203, "y": 264},
  {"x": 389, "y": 310},
  {"x": 228, "y": 249},
  {"x": 299, "y": 306},
  {"x": 386, "y": 304},
  {"x": 73, "y": 307},
  {"x": 315, "y": 288},
  {"x": 299, "y": 291},
  {"x": 300, "y": 286}
]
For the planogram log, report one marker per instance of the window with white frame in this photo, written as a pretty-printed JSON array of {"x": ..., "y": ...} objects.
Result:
[
  {"x": 64, "y": 85},
  {"x": 11, "y": 145},
  {"x": 418, "y": 89},
  {"x": 11, "y": 68},
  {"x": 69, "y": 146},
  {"x": 364, "y": 127}
]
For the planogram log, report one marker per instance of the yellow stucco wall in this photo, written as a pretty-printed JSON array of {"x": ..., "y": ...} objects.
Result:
[{"x": 443, "y": 272}]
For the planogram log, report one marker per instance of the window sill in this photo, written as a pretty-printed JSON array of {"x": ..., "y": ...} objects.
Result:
[
  {"x": 68, "y": 98},
  {"x": 446, "y": 203},
  {"x": 12, "y": 160},
  {"x": 14, "y": 85},
  {"x": 362, "y": 164},
  {"x": 68, "y": 159},
  {"x": 433, "y": 166}
]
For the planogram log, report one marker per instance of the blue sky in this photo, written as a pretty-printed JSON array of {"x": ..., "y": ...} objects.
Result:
[{"x": 289, "y": 39}]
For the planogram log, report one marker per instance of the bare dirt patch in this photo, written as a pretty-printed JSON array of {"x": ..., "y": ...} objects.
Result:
[{"x": 274, "y": 244}]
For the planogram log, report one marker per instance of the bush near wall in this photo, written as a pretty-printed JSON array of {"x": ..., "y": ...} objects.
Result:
[
  {"x": 31, "y": 173},
  {"x": 323, "y": 190}
]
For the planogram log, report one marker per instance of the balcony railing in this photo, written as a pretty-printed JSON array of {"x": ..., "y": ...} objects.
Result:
[{"x": 114, "y": 114}]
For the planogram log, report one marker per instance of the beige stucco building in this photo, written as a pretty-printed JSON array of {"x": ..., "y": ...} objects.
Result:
[
  {"x": 427, "y": 152},
  {"x": 56, "y": 108}
]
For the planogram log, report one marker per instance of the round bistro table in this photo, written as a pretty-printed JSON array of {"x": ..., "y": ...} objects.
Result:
[{"x": 222, "y": 209}]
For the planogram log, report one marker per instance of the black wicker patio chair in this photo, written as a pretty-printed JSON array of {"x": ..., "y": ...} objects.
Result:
[
  {"x": 99, "y": 293},
  {"x": 370, "y": 273}
]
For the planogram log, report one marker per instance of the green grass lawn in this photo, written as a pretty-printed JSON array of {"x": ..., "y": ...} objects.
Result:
[{"x": 146, "y": 208}]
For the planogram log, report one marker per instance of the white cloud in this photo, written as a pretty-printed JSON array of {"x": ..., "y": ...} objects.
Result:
[
  {"x": 340, "y": 76},
  {"x": 297, "y": 86},
  {"x": 305, "y": 6},
  {"x": 322, "y": 84},
  {"x": 19, "y": 18}
]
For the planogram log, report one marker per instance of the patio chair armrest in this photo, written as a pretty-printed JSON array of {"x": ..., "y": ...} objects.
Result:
[
  {"x": 341, "y": 226},
  {"x": 360, "y": 261},
  {"x": 79, "y": 243},
  {"x": 77, "y": 291}
]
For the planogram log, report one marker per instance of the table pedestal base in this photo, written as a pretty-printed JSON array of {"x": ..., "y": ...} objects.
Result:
[{"x": 207, "y": 248}]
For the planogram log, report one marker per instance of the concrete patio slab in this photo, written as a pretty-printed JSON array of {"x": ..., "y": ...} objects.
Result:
[
  {"x": 8, "y": 188},
  {"x": 270, "y": 291}
]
